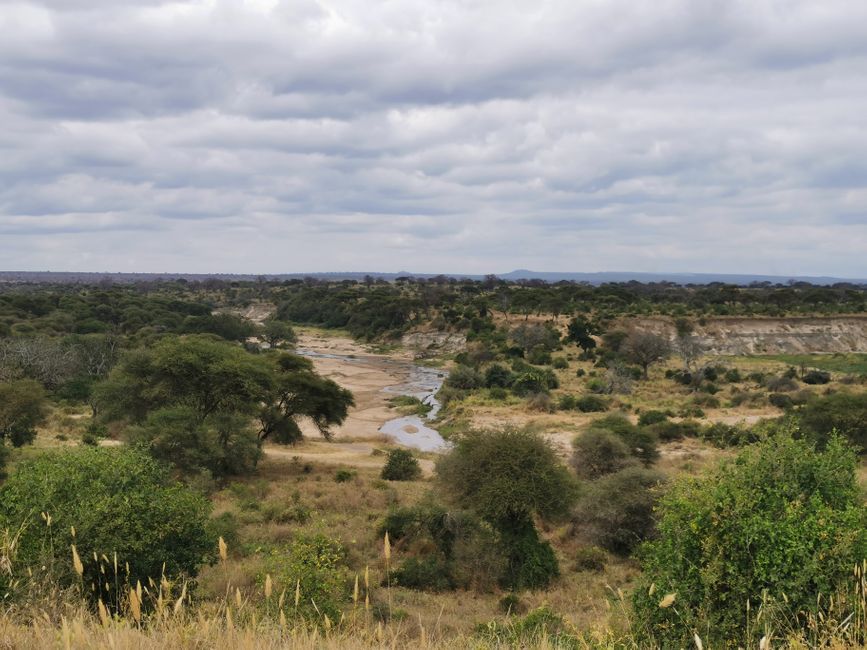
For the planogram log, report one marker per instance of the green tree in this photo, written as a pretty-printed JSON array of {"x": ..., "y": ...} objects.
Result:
[
  {"x": 193, "y": 401},
  {"x": 276, "y": 331},
  {"x": 401, "y": 465},
  {"x": 780, "y": 522},
  {"x": 508, "y": 477},
  {"x": 118, "y": 501},
  {"x": 581, "y": 331},
  {"x": 22, "y": 409},
  {"x": 297, "y": 391}
]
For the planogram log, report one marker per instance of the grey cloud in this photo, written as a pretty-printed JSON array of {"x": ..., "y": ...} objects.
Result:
[{"x": 475, "y": 136}]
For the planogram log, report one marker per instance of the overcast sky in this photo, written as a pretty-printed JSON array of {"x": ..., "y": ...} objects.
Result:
[{"x": 457, "y": 136}]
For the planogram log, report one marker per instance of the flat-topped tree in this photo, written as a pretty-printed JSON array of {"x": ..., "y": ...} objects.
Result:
[{"x": 194, "y": 400}]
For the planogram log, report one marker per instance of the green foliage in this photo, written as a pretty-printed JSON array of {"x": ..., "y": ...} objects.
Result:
[
  {"x": 318, "y": 565},
  {"x": 222, "y": 446},
  {"x": 401, "y": 465},
  {"x": 344, "y": 475},
  {"x": 651, "y": 417},
  {"x": 508, "y": 477},
  {"x": 22, "y": 409},
  {"x": 429, "y": 573},
  {"x": 193, "y": 400},
  {"x": 598, "y": 452},
  {"x": 640, "y": 440},
  {"x": 119, "y": 501},
  {"x": 781, "y": 521},
  {"x": 498, "y": 376},
  {"x": 591, "y": 404},
  {"x": 616, "y": 511},
  {"x": 580, "y": 332},
  {"x": 591, "y": 558},
  {"x": 277, "y": 332},
  {"x": 534, "y": 381},
  {"x": 845, "y": 413},
  {"x": 541, "y": 627},
  {"x": 560, "y": 363},
  {"x": 464, "y": 378}
]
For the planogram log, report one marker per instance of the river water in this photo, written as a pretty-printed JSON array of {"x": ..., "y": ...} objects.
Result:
[{"x": 421, "y": 382}]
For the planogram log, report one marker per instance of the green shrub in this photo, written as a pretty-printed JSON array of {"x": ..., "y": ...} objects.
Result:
[
  {"x": 844, "y": 412},
  {"x": 640, "y": 441},
  {"x": 400, "y": 465},
  {"x": 317, "y": 564},
  {"x": 706, "y": 401},
  {"x": 428, "y": 573},
  {"x": 651, "y": 417},
  {"x": 560, "y": 363},
  {"x": 591, "y": 404},
  {"x": 780, "y": 522},
  {"x": 668, "y": 431},
  {"x": 590, "y": 558},
  {"x": 539, "y": 356},
  {"x": 567, "y": 402},
  {"x": 597, "y": 452},
  {"x": 508, "y": 478},
  {"x": 119, "y": 501},
  {"x": 733, "y": 376},
  {"x": 723, "y": 435},
  {"x": 780, "y": 400},
  {"x": 511, "y": 604},
  {"x": 616, "y": 511},
  {"x": 781, "y": 384},
  {"x": 464, "y": 378},
  {"x": 541, "y": 627},
  {"x": 498, "y": 376},
  {"x": 344, "y": 475},
  {"x": 816, "y": 377},
  {"x": 498, "y": 393}
]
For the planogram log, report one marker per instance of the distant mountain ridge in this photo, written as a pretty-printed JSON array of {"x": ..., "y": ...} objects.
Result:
[{"x": 596, "y": 278}]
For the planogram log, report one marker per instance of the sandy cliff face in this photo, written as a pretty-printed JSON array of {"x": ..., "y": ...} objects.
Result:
[{"x": 795, "y": 335}]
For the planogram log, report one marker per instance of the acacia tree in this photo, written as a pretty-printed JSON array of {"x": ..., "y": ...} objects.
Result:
[
  {"x": 297, "y": 391},
  {"x": 581, "y": 331},
  {"x": 645, "y": 349},
  {"x": 508, "y": 477},
  {"x": 193, "y": 400}
]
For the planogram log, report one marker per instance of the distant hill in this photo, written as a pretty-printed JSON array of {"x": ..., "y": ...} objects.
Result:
[{"x": 62, "y": 277}]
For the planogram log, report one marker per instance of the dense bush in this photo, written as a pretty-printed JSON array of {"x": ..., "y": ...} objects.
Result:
[
  {"x": 119, "y": 501},
  {"x": 560, "y": 363},
  {"x": 498, "y": 376},
  {"x": 464, "y": 378},
  {"x": 534, "y": 381},
  {"x": 616, "y": 511},
  {"x": 816, "y": 377},
  {"x": 401, "y": 465},
  {"x": 591, "y": 404},
  {"x": 640, "y": 440},
  {"x": 317, "y": 565},
  {"x": 429, "y": 573},
  {"x": 597, "y": 452},
  {"x": 508, "y": 477},
  {"x": 782, "y": 521},
  {"x": 22, "y": 409},
  {"x": 844, "y": 412},
  {"x": 651, "y": 417}
]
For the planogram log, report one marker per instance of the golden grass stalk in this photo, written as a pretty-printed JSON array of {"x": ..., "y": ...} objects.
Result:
[
  {"x": 668, "y": 600},
  {"x": 76, "y": 562}
]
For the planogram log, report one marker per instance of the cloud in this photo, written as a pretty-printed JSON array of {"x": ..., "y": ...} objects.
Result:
[{"x": 456, "y": 136}]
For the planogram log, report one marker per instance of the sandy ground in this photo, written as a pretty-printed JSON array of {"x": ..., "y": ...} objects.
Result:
[{"x": 366, "y": 375}]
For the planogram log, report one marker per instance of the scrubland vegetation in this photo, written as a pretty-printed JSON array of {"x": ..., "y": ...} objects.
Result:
[{"x": 607, "y": 485}]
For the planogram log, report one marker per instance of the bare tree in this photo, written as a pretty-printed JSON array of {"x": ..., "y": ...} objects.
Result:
[{"x": 645, "y": 349}]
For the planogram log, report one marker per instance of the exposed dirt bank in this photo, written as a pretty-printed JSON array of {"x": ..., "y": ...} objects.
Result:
[{"x": 792, "y": 335}]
